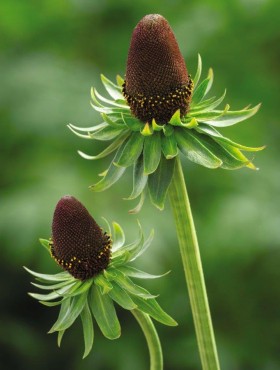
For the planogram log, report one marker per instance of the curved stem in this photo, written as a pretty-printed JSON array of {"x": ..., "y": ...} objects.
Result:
[
  {"x": 151, "y": 335},
  {"x": 193, "y": 270}
]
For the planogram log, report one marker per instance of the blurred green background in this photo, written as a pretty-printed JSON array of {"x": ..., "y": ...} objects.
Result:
[{"x": 51, "y": 53}]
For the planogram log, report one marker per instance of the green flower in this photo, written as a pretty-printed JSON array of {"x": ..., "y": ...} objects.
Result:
[
  {"x": 159, "y": 112},
  {"x": 98, "y": 274}
]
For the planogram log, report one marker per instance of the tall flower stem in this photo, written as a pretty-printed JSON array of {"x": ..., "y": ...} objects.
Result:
[
  {"x": 193, "y": 269},
  {"x": 156, "y": 361}
]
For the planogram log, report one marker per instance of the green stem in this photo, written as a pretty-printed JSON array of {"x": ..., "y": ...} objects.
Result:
[
  {"x": 193, "y": 270},
  {"x": 144, "y": 320}
]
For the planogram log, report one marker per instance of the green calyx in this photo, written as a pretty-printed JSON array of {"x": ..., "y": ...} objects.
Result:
[
  {"x": 151, "y": 147},
  {"x": 94, "y": 298}
]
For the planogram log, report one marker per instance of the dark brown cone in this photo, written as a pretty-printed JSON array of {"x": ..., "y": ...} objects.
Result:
[
  {"x": 78, "y": 243},
  {"x": 157, "y": 81}
]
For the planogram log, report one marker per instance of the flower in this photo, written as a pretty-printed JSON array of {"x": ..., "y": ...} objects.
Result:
[
  {"x": 157, "y": 82},
  {"x": 148, "y": 133},
  {"x": 89, "y": 289}
]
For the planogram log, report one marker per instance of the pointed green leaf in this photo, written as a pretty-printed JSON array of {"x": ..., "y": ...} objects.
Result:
[
  {"x": 139, "y": 205},
  {"x": 108, "y": 150},
  {"x": 132, "y": 123},
  {"x": 120, "y": 296},
  {"x": 113, "y": 90},
  {"x": 107, "y": 133},
  {"x": 104, "y": 313},
  {"x": 88, "y": 129},
  {"x": 143, "y": 246},
  {"x": 108, "y": 101},
  {"x": 131, "y": 151},
  {"x": 228, "y": 161},
  {"x": 87, "y": 329},
  {"x": 152, "y": 308},
  {"x": 45, "y": 243},
  {"x": 152, "y": 153},
  {"x": 63, "y": 312},
  {"x": 120, "y": 81},
  {"x": 113, "y": 120},
  {"x": 104, "y": 285},
  {"x": 138, "y": 274},
  {"x": 159, "y": 182},
  {"x": 70, "y": 312},
  {"x": 147, "y": 130},
  {"x": 113, "y": 174},
  {"x": 175, "y": 120},
  {"x": 232, "y": 117},
  {"x": 50, "y": 278},
  {"x": 52, "y": 286},
  {"x": 190, "y": 145},
  {"x": 127, "y": 284},
  {"x": 53, "y": 295},
  {"x": 198, "y": 72},
  {"x": 169, "y": 146},
  {"x": 119, "y": 237},
  {"x": 59, "y": 337},
  {"x": 139, "y": 178},
  {"x": 202, "y": 89}
]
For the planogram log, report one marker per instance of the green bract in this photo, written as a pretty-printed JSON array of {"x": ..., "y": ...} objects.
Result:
[
  {"x": 151, "y": 148},
  {"x": 95, "y": 297}
]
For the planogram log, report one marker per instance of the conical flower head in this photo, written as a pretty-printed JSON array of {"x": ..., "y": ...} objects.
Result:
[
  {"x": 78, "y": 243},
  {"x": 157, "y": 82}
]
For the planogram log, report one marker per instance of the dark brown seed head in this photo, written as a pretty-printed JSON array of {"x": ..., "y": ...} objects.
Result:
[
  {"x": 157, "y": 82},
  {"x": 78, "y": 243}
]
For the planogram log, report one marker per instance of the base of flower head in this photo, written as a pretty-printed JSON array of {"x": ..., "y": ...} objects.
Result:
[
  {"x": 160, "y": 107},
  {"x": 86, "y": 268}
]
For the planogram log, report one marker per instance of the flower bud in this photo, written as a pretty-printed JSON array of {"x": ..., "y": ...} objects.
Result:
[
  {"x": 157, "y": 82},
  {"x": 78, "y": 243}
]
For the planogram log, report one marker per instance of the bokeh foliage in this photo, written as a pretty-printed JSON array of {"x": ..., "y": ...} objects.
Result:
[{"x": 52, "y": 52}]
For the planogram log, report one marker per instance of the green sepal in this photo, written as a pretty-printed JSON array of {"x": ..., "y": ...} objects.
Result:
[
  {"x": 50, "y": 278},
  {"x": 53, "y": 295},
  {"x": 192, "y": 147},
  {"x": 207, "y": 105},
  {"x": 52, "y": 286},
  {"x": 45, "y": 243},
  {"x": 159, "y": 182},
  {"x": 118, "y": 238},
  {"x": 175, "y": 120},
  {"x": 70, "y": 310},
  {"x": 104, "y": 285},
  {"x": 230, "y": 118},
  {"x": 198, "y": 72},
  {"x": 108, "y": 150},
  {"x": 113, "y": 90},
  {"x": 155, "y": 126},
  {"x": 138, "y": 274},
  {"x": 119, "y": 80},
  {"x": 107, "y": 133},
  {"x": 229, "y": 162},
  {"x": 147, "y": 130},
  {"x": 88, "y": 130},
  {"x": 115, "y": 103},
  {"x": 152, "y": 308},
  {"x": 126, "y": 283},
  {"x": 169, "y": 146},
  {"x": 104, "y": 313},
  {"x": 132, "y": 123},
  {"x": 121, "y": 297},
  {"x": 88, "y": 330},
  {"x": 60, "y": 335},
  {"x": 152, "y": 153},
  {"x": 140, "y": 203},
  {"x": 202, "y": 88},
  {"x": 113, "y": 174},
  {"x": 131, "y": 151},
  {"x": 114, "y": 120},
  {"x": 139, "y": 178}
]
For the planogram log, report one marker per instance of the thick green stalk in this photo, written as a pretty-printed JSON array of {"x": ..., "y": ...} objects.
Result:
[
  {"x": 193, "y": 270},
  {"x": 144, "y": 320}
]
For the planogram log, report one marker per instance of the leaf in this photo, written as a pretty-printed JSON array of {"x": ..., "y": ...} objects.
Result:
[
  {"x": 191, "y": 146},
  {"x": 107, "y": 133},
  {"x": 88, "y": 129},
  {"x": 112, "y": 89},
  {"x": 198, "y": 72},
  {"x": 169, "y": 146},
  {"x": 111, "y": 102},
  {"x": 139, "y": 178},
  {"x": 139, "y": 206},
  {"x": 108, "y": 150},
  {"x": 104, "y": 285},
  {"x": 120, "y": 296},
  {"x": 138, "y": 274},
  {"x": 201, "y": 90},
  {"x": 70, "y": 312},
  {"x": 63, "y": 312},
  {"x": 45, "y": 243},
  {"x": 232, "y": 117},
  {"x": 113, "y": 174},
  {"x": 104, "y": 313},
  {"x": 175, "y": 120},
  {"x": 132, "y": 123},
  {"x": 152, "y": 153},
  {"x": 52, "y": 286},
  {"x": 228, "y": 161},
  {"x": 131, "y": 151},
  {"x": 53, "y": 295},
  {"x": 127, "y": 284},
  {"x": 207, "y": 106},
  {"x": 152, "y": 308},
  {"x": 87, "y": 329},
  {"x": 159, "y": 182},
  {"x": 59, "y": 337},
  {"x": 137, "y": 252},
  {"x": 119, "y": 237}
]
